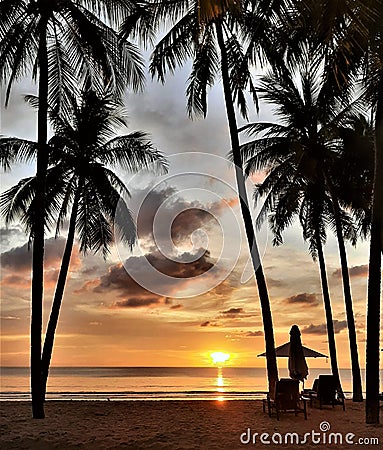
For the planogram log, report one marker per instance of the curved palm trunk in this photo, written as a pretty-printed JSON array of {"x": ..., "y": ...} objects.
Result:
[
  {"x": 328, "y": 310},
  {"x": 59, "y": 293},
  {"x": 357, "y": 395},
  {"x": 374, "y": 273},
  {"x": 271, "y": 360},
  {"x": 38, "y": 236}
]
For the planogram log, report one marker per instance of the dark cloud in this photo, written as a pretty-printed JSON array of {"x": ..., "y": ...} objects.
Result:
[
  {"x": 233, "y": 311},
  {"x": 254, "y": 333},
  {"x": 118, "y": 275},
  {"x": 188, "y": 221},
  {"x": 354, "y": 271},
  {"x": 134, "y": 295},
  {"x": 304, "y": 298},
  {"x": 137, "y": 302},
  {"x": 20, "y": 258},
  {"x": 179, "y": 216},
  {"x": 208, "y": 323},
  {"x": 165, "y": 218},
  {"x": 119, "y": 278},
  {"x": 90, "y": 270},
  {"x": 235, "y": 317},
  {"x": 339, "y": 325},
  {"x": 271, "y": 282},
  {"x": 178, "y": 306},
  {"x": 178, "y": 268}
]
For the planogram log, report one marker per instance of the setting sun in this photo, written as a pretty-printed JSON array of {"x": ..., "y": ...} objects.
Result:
[{"x": 219, "y": 357}]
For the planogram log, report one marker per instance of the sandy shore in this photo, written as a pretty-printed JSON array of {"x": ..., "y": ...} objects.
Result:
[{"x": 175, "y": 425}]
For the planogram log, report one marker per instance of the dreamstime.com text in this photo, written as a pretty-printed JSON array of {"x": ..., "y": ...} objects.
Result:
[{"x": 323, "y": 436}]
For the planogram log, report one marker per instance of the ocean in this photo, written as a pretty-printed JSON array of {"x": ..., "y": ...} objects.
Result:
[{"x": 152, "y": 383}]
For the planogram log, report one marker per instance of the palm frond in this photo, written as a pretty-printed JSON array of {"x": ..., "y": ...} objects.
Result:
[
  {"x": 202, "y": 77},
  {"x": 60, "y": 70},
  {"x": 19, "y": 203},
  {"x": 14, "y": 150},
  {"x": 18, "y": 47},
  {"x": 240, "y": 75},
  {"x": 140, "y": 23},
  {"x": 133, "y": 152},
  {"x": 174, "y": 48}
]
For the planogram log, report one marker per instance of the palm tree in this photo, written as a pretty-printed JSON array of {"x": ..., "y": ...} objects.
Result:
[
  {"x": 302, "y": 156},
  {"x": 350, "y": 35},
  {"x": 82, "y": 184},
  {"x": 356, "y": 161},
  {"x": 208, "y": 32},
  {"x": 60, "y": 43}
]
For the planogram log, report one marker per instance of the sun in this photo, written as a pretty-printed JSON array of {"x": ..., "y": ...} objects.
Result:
[{"x": 219, "y": 357}]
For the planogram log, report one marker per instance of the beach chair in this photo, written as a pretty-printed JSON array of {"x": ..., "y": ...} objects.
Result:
[
  {"x": 307, "y": 392},
  {"x": 326, "y": 392},
  {"x": 286, "y": 398}
]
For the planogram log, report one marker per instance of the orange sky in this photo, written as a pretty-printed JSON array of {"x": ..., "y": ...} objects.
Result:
[{"x": 108, "y": 319}]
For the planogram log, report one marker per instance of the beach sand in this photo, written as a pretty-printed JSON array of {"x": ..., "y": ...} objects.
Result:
[{"x": 173, "y": 425}]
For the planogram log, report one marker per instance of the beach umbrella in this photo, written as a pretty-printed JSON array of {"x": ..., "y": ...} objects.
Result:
[
  {"x": 297, "y": 362},
  {"x": 283, "y": 351}
]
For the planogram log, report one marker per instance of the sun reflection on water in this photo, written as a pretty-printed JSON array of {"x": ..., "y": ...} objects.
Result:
[{"x": 220, "y": 384}]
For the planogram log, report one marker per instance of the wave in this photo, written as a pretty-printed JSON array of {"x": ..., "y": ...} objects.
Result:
[{"x": 132, "y": 395}]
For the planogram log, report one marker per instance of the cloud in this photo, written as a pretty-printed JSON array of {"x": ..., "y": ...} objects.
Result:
[
  {"x": 187, "y": 221},
  {"x": 178, "y": 268},
  {"x": 354, "y": 271},
  {"x": 233, "y": 311},
  {"x": 20, "y": 258},
  {"x": 304, "y": 298},
  {"x": 8, "y": 235},
  {"x": 339, "y": 325},
  {"x": 137, "y": 302},
  {"x": 15, "y": 281},
  {"x": 235, "y": 336},
  {"x": 208, "y": 323},
  {"x": 178, "y": 215},
  {"x": 120, "y": 278},
  {"x": 166, "y": 219},
  {"x": 178, "y": 306},
  {"x": 272, "y": 282},
  {"x": 254, "y": 333}
]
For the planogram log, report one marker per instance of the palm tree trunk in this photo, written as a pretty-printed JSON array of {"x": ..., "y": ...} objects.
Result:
[
  {"x": 271, "y": 360},
  {"x": 357, "y": 395},
  {"x": 38, "y": 229},
  {"x": 374, "y": 273},
  {"x": 59, "y": 293},
  {"x": 328, "y": 310}
]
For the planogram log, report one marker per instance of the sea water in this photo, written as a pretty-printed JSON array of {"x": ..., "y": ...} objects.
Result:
[{"x": 155, "y": 383}]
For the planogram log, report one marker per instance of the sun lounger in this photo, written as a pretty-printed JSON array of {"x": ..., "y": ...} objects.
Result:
[
  {"x": 286, "y": 398},
  {"x": 326, "y": 392}
]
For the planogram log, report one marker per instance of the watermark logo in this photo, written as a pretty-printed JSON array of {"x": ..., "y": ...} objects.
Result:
[
  {"x": 322, "y": 437},
  {"x": 190, "y": 228},
  {"x": 324, "y": 426}
]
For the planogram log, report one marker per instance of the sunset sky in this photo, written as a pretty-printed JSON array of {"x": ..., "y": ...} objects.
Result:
[{"x": 188, "y": 310}]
